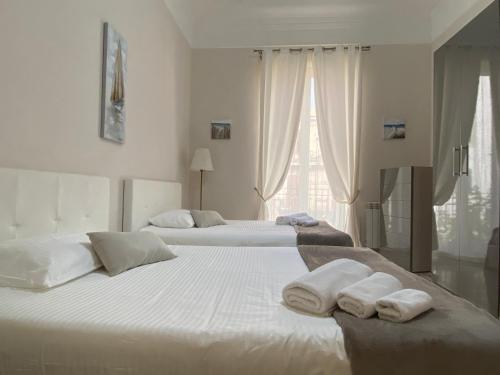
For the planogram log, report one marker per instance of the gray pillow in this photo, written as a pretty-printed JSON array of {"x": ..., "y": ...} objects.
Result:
[
  {"x": 119, "y": 251},
  {"x": 205, "y": 219}
]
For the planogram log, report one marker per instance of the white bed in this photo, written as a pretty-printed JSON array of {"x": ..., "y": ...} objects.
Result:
[
  {"x": 235, "y": 233},
  {"x": 212, "y": 310},
  {"x": 144, "y": 199}
]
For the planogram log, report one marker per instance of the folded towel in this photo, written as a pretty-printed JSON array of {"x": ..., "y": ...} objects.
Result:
[
  {"x": 359, "y": 299},
  {"x": 301, "y": 218},
  {"x": 403, "y": 305},
  {"x": 290, "y": 219},
  {"x": 306, "y": 221},
  {"x": 316, "y": 292}
]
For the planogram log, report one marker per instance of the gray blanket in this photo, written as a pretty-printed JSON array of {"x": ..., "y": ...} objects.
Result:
[
  {"x": 452, "y": 339},
  {"x": 322, "y": 234}
]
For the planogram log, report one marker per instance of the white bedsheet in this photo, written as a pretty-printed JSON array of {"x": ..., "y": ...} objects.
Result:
[
  {"x": 212, "y": 310},
  {"x": 235, "y": 233}
]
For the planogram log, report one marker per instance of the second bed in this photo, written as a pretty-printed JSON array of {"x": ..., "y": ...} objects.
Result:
[{"x": 144, "y": 199}]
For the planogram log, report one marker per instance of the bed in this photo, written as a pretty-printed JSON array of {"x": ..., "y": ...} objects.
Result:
[
  {"x": 235, "y": 233},
  {"x": 144, "y": 199},
  {"x": 212, "y": 310}
]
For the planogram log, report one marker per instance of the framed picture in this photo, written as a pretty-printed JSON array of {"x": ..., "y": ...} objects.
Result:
[
  {"x": 221, "y": 129},
  {"x": 114, "y": 83},
  {"x": 394, "y": 130}
]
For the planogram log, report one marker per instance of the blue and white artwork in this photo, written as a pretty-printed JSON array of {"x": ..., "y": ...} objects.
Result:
[
  {"x": 114, "y": 79},
  {"x": 221, "y": 130},
  {"x": 394, "y": 130}
]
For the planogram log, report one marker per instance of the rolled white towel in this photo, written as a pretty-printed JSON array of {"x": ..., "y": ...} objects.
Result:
[
  {"x": 359, "y": 299},
  {"x": 403, "y": 305},
  {"x": 290, "y": 219},
  {"x": 316, "y": 292}
]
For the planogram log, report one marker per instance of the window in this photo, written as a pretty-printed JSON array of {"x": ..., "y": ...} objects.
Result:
[{"x": 306, "y": 187}]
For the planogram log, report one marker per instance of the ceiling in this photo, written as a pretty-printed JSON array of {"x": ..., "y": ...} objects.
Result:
[{"x": 250, "y": 23}]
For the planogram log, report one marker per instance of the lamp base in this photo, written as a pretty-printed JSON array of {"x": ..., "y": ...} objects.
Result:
[{"x": 201, "y": 189}]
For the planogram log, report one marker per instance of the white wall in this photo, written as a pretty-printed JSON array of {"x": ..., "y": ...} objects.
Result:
[
  {"x": 50, "y": 72},
  {"x": 397, "y": 84},
  {"x": 50, "y": 88},
  {"x": 225, "y": 87}
]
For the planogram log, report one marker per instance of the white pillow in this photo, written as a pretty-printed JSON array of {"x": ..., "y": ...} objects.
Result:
[
  {"x": 45, "y": 262},
  {"x": 173, "y": 219}
]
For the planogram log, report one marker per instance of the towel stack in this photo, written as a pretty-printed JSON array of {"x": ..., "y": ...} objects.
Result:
[
  {"x": 356, "y": 289},
  {"x": 359, "y": 298},
  {"x": 316, "y": 292},
  {"x": 302, "y": 219}
]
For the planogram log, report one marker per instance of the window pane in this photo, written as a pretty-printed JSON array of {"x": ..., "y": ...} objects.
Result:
[{"x": 306, "y": 187}]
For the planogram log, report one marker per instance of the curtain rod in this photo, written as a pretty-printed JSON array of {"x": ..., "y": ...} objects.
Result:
[{"x": 363, "y": 48}]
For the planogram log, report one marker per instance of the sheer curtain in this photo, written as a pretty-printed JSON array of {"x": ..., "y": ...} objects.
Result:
[
  {"x": 306, "y": 188},
  {"x": 282, "y": 90},
  {"x": 337, "y": 76}
]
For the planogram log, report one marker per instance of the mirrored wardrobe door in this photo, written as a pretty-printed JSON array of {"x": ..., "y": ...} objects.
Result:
[
  {"x": 479, "y": 188},
  {"x": 467, "y": 97},
  {"x": 446, "y": 246}
]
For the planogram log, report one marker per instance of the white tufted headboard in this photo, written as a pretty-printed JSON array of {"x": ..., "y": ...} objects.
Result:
[
  {"x": 35, "y": 203},
  {"x": 143, "y": 199}
]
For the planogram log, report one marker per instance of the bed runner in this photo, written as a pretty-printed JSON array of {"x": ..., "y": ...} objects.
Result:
[
  {"x": 454, "y": 338},
  {"x": 322, "y": 234}
]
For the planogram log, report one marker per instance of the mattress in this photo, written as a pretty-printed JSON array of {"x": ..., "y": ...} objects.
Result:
[
  {"x": 235, "y": 233},
  {"x": 211, "y": 310}
]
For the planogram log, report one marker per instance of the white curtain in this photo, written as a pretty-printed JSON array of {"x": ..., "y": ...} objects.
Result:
[
  {"x": 282, "y": 89},
  {"x": 337, "y": 76}
]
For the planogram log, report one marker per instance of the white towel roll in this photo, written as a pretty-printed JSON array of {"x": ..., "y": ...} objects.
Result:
[
  {"x": 359, "y": 299},
  {"x": 316, "y": 292},
  {"x": 403, "y": 305}
]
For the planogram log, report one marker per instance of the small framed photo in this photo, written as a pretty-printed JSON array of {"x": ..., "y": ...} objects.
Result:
[
  {"x": 394, "y": 130},
  {"x": 221, "y": 129}
]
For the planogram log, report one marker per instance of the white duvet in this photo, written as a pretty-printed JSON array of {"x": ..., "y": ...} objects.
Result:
[
  {"x": 235, "y": 233},
  {"x": 212, "y": 310}
]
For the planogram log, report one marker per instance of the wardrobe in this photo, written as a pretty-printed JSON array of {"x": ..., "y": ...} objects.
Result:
[{"x": 465, "y": 256}]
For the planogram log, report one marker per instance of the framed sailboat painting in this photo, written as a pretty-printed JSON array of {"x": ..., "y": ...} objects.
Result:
[{"x": 114, "y": 79}]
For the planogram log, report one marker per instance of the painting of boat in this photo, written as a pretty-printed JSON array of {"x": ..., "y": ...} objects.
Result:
[{"x": 113, "y": 86}]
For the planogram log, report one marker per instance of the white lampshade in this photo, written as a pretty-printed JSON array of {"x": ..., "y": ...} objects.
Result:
[{"x": 202, "y": 161}]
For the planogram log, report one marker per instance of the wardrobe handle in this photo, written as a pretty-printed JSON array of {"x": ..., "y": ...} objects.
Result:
[
  {"x": 454, "y": 151},
  {"x": 464, "y": 159}
]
